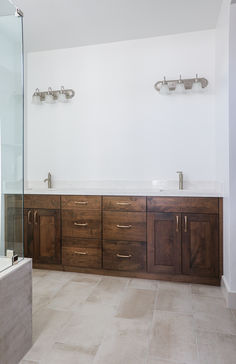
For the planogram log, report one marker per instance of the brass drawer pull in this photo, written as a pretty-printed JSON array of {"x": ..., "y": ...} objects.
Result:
[
  {"x": 36, "y": 217},
  {"x": 80, "y": 253},
  {"x": 185, "y": 224},
  {"x": 81, "y": 202},
  {"x": 29, "y": 215},
  {"x": 79, "y": 224},
  {"x": 124, "y": 226},
  {"x": 177, "y": 223},
  {"x": 123, "y": 203},
  {"x": 123, "y": 256}
]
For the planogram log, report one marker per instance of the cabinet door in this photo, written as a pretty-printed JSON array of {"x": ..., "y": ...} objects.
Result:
[
  {"x": 200, "y": 246},
  {"x": 47, "y": 247},
  {"x": 28, "y": 233},
  {"x": 164, "y": 242}
]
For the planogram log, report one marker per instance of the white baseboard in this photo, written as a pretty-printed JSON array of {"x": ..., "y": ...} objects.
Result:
[{"x": 230, "y": 296}]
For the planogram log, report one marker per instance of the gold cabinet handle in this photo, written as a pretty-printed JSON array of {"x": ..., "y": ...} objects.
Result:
[
  {"x": 123, "y": 256},
  {"x": 124, "y": 226},
  {"x": 177, "y": 223},
  {"x": 36, "y": 217},
  {"x": 80, "y": 224},
  {"x": 81, "y": 202},
  {"x": 28, "y": 217},
  {"x": 185, "y": 224},
  {"x": 123, "y": 203},
  {"x": 80, "y": 253}
]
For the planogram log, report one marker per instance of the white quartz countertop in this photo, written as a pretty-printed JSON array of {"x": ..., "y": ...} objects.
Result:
[{"x": 129, "y": 189}]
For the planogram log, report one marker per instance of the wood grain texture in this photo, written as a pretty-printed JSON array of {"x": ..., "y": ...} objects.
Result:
[
  {"x": 124, "y": 255},
  {"x": 90, "y": 224},
  {"x": 124, "y": 203},
  {"x": 204, "y": 205},
  {"x": 124, "y": 226},
  {"x": 200, "y": 245},
  {"x": 42, "y": 201},
  {"x": 164, "y": 242},
  {"x": 82, "y": 253},
  {"x": 221, "y": 247},
  {"x": 81, "y": 202},
  {"x": 28, "y": 233}
]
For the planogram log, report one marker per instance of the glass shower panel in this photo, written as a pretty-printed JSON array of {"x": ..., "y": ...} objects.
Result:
[{"x": 11, "y": 138}]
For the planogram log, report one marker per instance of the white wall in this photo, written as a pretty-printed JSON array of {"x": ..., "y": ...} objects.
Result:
[{"x": 118, "y": 127}]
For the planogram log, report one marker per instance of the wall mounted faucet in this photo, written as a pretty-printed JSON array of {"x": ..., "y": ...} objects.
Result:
[
  {"x": 181, "y": 180},
  {"x": 49, "y": 180}
]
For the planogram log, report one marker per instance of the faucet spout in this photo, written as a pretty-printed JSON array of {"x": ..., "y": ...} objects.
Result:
[
  {"x": 49, "y": 180},
  {"x": 181, "y": 180}
]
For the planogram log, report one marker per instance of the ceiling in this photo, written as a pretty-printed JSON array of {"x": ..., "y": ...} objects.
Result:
[{"x": 52, "y": 24}]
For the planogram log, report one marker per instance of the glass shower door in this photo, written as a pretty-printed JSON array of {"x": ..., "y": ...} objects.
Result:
[{"x": 11, "y": 135}]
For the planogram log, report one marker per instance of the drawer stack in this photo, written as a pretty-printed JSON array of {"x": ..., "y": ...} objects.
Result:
[
  {"x": 81, "y": 231},
  {"x": 124, "y": 233}
]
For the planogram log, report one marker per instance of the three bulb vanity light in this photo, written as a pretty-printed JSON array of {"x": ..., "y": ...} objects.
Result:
[
  {"x": 180, "y": 86},
  {"x": 51, "y": 96}
]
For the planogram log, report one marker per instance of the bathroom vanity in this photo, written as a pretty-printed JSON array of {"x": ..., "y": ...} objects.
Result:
[{"x": 156, "y": 237}]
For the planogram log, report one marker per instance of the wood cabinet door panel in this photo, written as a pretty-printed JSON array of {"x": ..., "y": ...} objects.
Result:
[
  {"x": 164, "y": 242},
  {"x": 81, "y": 202},
  {"x": 47, "y": 236},
  {"x": 86, "y": 253},
  {"x": 124, "y": 226},
  {"x": 200, "y": 244}
]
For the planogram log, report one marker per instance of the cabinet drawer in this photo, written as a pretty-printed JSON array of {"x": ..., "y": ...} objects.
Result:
[
  {"x": 124, "y": 203},
  {"x": 124, "y": 226},
  {"x": 41, "y": 202},
  {"x": 124, "y": 255},
  {"x": 183, "y": 204},
  {"x": 81, "y": 202},
  {"x": 81, "y": 224},
  {"x": 84, "y": 253}
]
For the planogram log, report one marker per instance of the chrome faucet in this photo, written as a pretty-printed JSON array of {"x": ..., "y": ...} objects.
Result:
[
  {"x": 49, "y": 180},
  {"x": 181, "y": 180}
]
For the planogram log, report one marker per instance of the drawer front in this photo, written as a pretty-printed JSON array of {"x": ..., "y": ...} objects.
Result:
[
  {"x": 82, "y": 253},
  {"x": 81, "y": 224},
  {"x": 183, "y": 204},
  {"x": 124, "y": 203},
  {"x": 124, "y": 255},
  {"x": 124, "y": 226},
  {"x": 81, "y": 202},
  {"x": 42, "y": 202}
]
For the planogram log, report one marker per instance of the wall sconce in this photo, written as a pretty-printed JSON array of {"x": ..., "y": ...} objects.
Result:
[
  {"x": 50, "y": 96},
  {"x": 181, "y": 85}
]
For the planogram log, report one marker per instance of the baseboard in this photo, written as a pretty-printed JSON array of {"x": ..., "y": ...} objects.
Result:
[{"x": 230, "y": 296}]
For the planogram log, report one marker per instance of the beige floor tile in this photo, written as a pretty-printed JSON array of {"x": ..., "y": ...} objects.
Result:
[
  {"x": 209, "y": 291},
  {"x": 126, "y": 341},
  {"x": 173, "y": 337},
  {"x": 215, "y": 321},
  {"x": 71, "y": 296},
  {"x": 87, "y": 327},
  {"x": 208, "y": 304},
  {"x": 143, "y": 284},
  {"x": 216, "y": 348},
  {"x": 137, "y": 304},
  {"x": 108, "y": 291},
  {"x": 152, "y": 360},
  {"x": 40, "y": 302},
  {"x": 47, "y": 286},
  {"x": 86, "y": 278},
  {"x": 176, "y": 300},
  {"x": 28, "y": 362},
  {"x": 175, "y": 287},
  {"x": 67, "y": 354}
]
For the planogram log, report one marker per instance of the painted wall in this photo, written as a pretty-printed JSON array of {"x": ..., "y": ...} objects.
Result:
[{"x": 118, "y": 127}]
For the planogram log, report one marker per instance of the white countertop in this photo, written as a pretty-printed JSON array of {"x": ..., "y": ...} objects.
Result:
[{"x": 129, "y": 188}]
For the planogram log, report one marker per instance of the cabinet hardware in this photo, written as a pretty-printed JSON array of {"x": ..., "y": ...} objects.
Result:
[
  {"x": 177, "y": 223},
  {"x": 81, "y": 202},
  {"x": 36, "y": 217},
  {"x": 78, "y": 224},
  {"x": 123, "y": 256},
  {"x": 123, "y": 203},
  {"x": 185, "y": 224},
  {"x": 81, "y": 253},
  {"x": 29, "y": 215},
  {"x": 124, "y": 226}
]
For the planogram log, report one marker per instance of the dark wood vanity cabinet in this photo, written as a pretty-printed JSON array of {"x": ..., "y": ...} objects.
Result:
[
  {"x": 42, "y": 229},
  {"x": 183, "y": 236}
]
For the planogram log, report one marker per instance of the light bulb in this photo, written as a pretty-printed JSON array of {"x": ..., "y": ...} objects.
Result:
[
  {"x": 164, "y": 90},
  {"x": 197, "y": 86},
  {"x": 62, "y": 95},
  {"x": 180, "y": 89},
  {"x": 36, "y": 99},
  {"x": 49, "y": 98}
]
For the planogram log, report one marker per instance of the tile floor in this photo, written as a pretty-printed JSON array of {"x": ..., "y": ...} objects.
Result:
[{"x": 83, "y": 319}]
